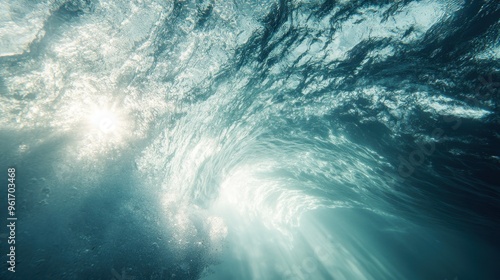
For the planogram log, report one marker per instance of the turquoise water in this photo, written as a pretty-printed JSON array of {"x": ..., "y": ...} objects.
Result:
[{"x": 251, "y": 139}]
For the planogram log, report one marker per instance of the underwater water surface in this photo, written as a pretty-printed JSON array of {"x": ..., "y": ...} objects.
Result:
[{"x": 211, "y": 139}]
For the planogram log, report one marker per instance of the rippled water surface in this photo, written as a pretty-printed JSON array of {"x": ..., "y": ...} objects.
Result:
[{"x": 215, "y": 139}]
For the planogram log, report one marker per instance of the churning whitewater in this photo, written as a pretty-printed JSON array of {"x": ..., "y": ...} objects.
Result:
[{"x": 211, "y": 139}]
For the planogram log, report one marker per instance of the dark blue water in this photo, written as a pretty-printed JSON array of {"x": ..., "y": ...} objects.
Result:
[{"x": 251, "y": 139}]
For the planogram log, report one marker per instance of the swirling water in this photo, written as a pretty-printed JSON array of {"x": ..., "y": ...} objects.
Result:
[{"x": 216, "y": 139}]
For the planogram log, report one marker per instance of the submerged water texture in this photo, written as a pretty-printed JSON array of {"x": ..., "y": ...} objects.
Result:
[{"x": 252, "y": 139}]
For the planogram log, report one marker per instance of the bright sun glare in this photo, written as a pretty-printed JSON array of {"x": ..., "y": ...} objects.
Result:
[
  {"x": 104, "y": 120},
  {"x": 107, "y": 130}
]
